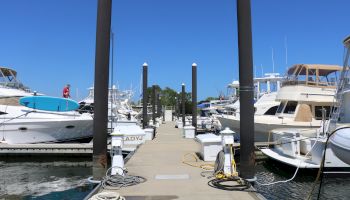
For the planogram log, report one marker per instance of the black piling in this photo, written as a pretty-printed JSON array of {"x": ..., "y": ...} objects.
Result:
[
  {"x": 246, "y": 90},
  {"x": 194, "y": 97},
  {"x": 144, "y": 96},
  {"x": 103, "y": 30},
  {"x": 159, "y": 105},
  {"x": 183, "y": 103},
  {"x": 154, "y": 104}
]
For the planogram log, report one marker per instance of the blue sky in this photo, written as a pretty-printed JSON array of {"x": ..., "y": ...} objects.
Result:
[{"x": 51, "y": 43}]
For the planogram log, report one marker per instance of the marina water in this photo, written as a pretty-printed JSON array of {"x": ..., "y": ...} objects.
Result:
[
  {"x": 37, "y": 179},
  {"x": 267, "y": 170}
]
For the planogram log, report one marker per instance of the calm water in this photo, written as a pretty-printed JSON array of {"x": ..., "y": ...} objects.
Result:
[
  {"x": 45, "y": 179},
  {"x": 66, "y": 180},
  {"x": 336, "y": 187}
]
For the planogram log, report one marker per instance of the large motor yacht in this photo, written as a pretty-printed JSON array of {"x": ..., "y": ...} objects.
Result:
[
  {"x": 328, "y": 146},
  {"x": 306, "y": 90},
  {"x": 20, "y": 124}
]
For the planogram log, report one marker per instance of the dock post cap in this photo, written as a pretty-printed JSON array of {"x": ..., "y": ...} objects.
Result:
[
  {"x": 144, "y": 64},
  {"x": 194, "y": 65},
  {"x": 227, "y": 131},
  {"x": 183, "y": 84}
]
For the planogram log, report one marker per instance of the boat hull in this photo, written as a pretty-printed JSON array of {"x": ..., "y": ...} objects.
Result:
[
  {"x": 42, "y": 131},
  {"x": 262, "y": 128}
]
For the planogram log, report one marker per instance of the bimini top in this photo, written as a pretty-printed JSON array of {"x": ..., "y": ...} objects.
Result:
[
  {"x": 312, "y": 75},
  {"x": 8, "y": 79},
  {"x": 323, "y": 70},
  {"x": 7, "y": 72}
]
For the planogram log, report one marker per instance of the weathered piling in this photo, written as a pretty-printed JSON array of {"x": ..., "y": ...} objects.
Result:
[
  {"x": 194, "y": 97},
  {"x": 103, "y": 30},
  {"x": 144, "y": 95},
  {"x": 246, "y": 89}
]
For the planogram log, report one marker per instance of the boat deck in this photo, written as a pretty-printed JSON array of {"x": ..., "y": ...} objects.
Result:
[{"x": 160, "y": 162}]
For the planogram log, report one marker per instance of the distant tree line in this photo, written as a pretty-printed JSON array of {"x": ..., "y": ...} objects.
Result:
[{"x": 169, "y": 97}]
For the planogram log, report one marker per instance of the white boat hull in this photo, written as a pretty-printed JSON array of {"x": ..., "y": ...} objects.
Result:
[
  {"x": 22, "y": 125},
  {"x": 45, "y": 131},
  {"x": 340, "y": 144},
  {"x": 262, "y": 128}
]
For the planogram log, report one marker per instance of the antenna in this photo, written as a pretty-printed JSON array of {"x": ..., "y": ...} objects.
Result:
[
  {"x": 255, "y": 71},
  {"x": 262, "y": 70},
  {"x": 273, "y": 62},
  {"x": 110, "y": 95},
  {"x": 140, "y": 91},
  {"x": 77, "y": 94},
  {"x": 285, "y": 46}
]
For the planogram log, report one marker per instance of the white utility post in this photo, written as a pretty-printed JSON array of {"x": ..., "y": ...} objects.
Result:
[
  {"x": 116, "y": 153},
  {"x": 227, "y": 143}
]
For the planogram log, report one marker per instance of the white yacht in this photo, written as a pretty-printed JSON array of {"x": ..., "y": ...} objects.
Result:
[
  {"x": 20, "y": 124},
  {"x": 120, "y": 116},
  {"x": 306, "y": 90},
  {"x": 309, "y": 148}
]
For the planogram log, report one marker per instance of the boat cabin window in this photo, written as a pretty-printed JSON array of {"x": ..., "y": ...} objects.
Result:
[
  {"x": 290, "y": 107},
  {"x": 318, "y": 112},
  {"x": 280, "y": 107},
  {"x": 271, "y": 111}
]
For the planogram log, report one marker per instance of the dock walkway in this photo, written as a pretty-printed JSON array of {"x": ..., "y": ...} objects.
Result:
[{"x": 160, "y": 162}]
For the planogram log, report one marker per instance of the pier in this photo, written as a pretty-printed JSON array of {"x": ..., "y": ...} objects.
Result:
[
  {"x": 160, "y": 161},
  {"x": 62, "y": 149}
]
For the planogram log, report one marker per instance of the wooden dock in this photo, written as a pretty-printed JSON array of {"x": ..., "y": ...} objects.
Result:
[
  {"x": 63, "y": 149},
  {"x": 160, "y": 162}
]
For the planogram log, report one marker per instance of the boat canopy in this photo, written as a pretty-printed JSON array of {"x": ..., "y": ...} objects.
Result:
[
  {"x": 323, "y": 70},
  {"x": 312, "y": 75},
  {"x": 8, "y": 78}
]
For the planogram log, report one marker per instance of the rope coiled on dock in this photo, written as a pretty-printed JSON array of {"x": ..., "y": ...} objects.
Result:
[
  {"x": 115, "y": 182},
  {"x": 107, "y": 196}
]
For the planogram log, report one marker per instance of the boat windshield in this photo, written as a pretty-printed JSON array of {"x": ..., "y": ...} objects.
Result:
[{"x": 313, "y": 75}]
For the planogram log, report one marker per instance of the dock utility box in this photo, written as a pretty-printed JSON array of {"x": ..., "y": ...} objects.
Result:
[
  {"x": 210, "y": 146},
  {"x": 189, "y": 132}
]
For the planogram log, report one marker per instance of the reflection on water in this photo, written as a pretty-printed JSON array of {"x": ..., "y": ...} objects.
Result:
[
  {"x": 45, "y": 179},
  {"x": 336, "y": 187}
]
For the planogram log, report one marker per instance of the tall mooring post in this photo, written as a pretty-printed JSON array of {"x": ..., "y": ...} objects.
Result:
[
  {"x": 183, "y": 103},
  {"x": 194, "y": 97},
  {"x": 144, "y": 96},
  {"x": 154, "y": 104},
  {"x": 246, "y": 90},
  {"x": 159, "y": 105},
  {"x": 103, "y": 30}
]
